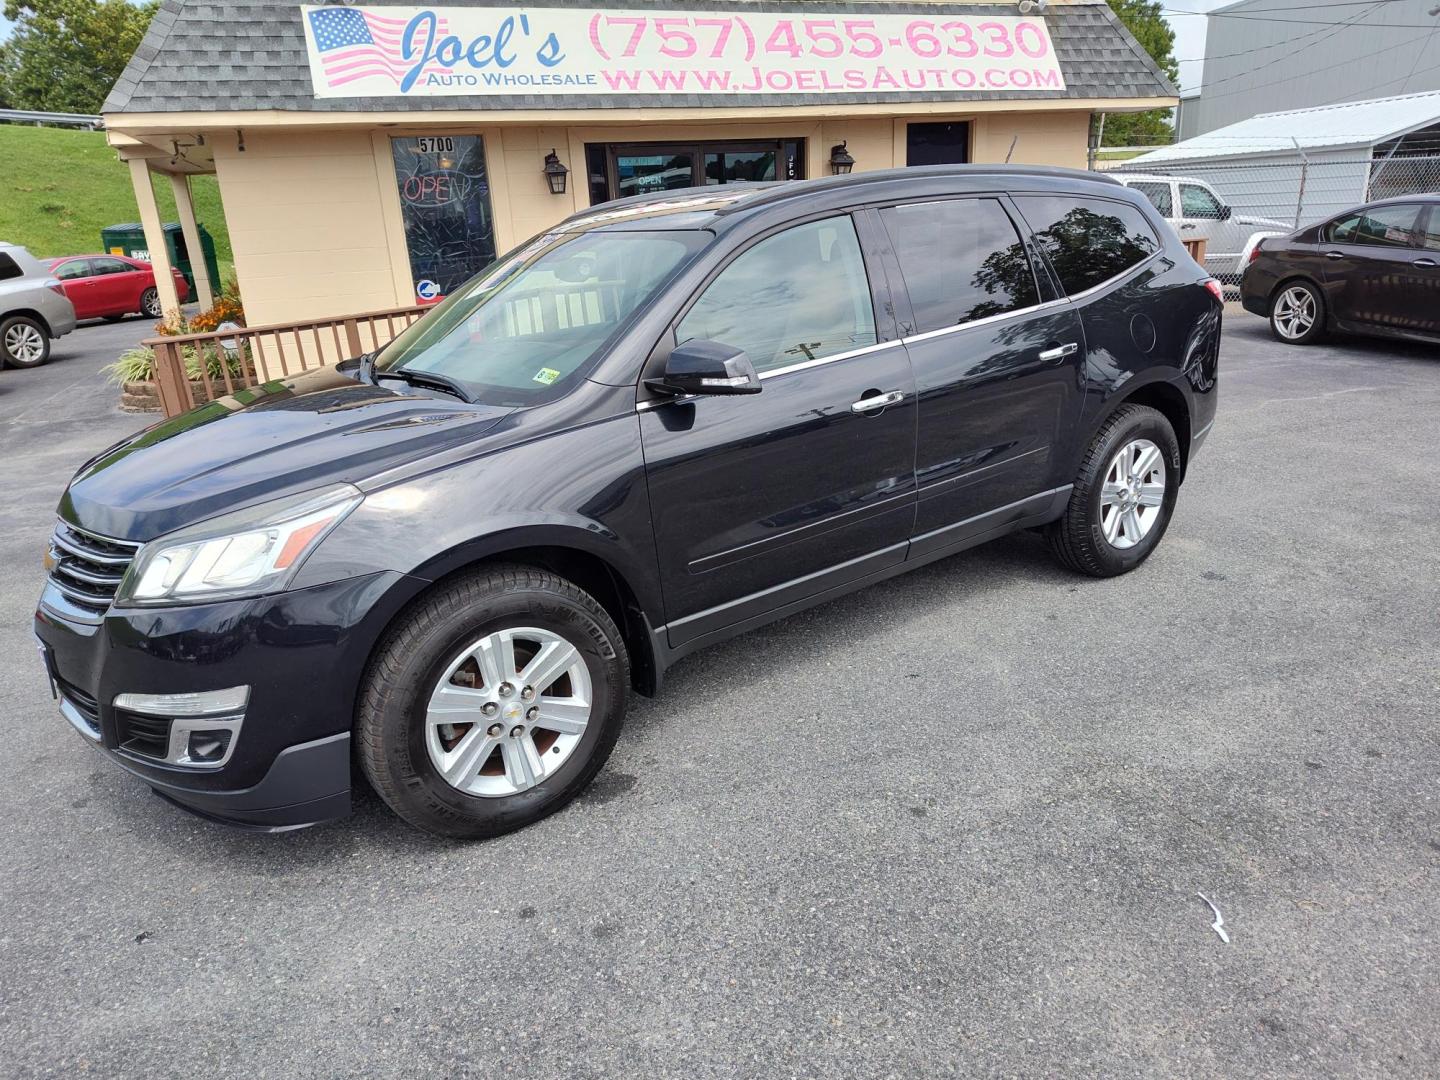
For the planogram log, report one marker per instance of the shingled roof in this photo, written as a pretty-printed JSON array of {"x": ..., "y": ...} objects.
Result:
[{"x": 249, "y": 55}]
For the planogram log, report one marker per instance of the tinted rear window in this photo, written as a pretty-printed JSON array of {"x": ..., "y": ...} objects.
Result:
[
  {"x": 962, "y": 260},
  {"x": 8, "y": 269},
  {"x": 1088, "y": 241}
]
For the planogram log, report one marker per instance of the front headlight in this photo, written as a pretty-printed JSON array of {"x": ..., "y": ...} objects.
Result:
[{"x": 247, "y": 553}]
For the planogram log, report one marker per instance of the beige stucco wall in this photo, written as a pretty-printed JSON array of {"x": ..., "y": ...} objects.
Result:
[{"x": 315, "y": 219}]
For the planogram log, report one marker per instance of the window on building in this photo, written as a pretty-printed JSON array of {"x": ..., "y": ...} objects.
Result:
[
  {"x": 799, "y": 295},
  {"x": 1088, "y": 241},
  {"x": 962, "y": 260},
  {"x": 445, "y": 203},
  {"x": 1198, "y": 202},
  {"x": 1379, "y": 226},
  {"x": 1158, "y": 193},
  {"x": 937, "y": 144},
  {"x": 75, "y": 268}
]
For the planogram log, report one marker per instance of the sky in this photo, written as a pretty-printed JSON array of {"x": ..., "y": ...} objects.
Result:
[{"x": 1190, "y": 36}]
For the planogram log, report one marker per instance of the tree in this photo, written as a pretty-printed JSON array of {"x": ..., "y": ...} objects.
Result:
[
  {"x": 64, "y": 55},
  {"x": 1144, "y": 20}
]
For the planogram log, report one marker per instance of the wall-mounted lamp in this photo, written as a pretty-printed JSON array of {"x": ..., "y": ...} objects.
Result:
[
  {"x": 840, "y": 160},
  {"x": 555, "y": 173}
]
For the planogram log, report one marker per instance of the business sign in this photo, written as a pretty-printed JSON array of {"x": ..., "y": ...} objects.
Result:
[{"x": 498, "y": 51}]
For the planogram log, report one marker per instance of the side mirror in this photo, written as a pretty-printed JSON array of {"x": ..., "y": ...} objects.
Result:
[
  {"x": 707, "y": 367},
  {"x": 1225, "y": 211}
]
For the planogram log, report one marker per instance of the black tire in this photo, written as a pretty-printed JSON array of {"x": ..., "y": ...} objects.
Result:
[
  {"x": 413, "y": 658},
  {"x": 1295, "y": 336},
  {"x": 1078, "y": 538},
  {"x": 150, "y": 303},
  {"x": 21, "y": 331}
]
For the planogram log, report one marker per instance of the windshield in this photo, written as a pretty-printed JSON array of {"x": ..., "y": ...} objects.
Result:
[{"x": 530, "y": 325}]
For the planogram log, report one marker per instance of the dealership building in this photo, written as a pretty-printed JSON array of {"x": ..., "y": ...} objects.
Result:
[{"x": 373, "y": 157}]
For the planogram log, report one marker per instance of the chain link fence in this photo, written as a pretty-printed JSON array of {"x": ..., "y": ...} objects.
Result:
[{"x": 1300, "y": 189}]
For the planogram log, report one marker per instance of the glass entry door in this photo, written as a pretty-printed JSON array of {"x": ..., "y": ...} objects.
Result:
[
  {"x": 640, "y": 168},
  {"x": 638, "y": 171}
]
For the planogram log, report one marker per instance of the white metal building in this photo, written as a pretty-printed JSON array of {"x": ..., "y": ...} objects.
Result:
[
  {"x": 1306, "y": 164},
  {"x": 1263, "y": 55}
]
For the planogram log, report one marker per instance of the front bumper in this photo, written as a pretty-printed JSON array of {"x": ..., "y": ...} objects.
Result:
[{"x": 302, "y": 653}]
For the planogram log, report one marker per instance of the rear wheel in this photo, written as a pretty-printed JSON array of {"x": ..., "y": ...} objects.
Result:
[
  {"x": 492, "y": 703},
  {"x": 1297, "y": 313},
  {"x": 1123, "y": 497},
  {"x": 24, "y": 342},
  {"x": 150, "y": 303}
]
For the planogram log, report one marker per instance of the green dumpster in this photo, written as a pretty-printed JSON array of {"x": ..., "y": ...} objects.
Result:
[{"x": 130, "y": 240}]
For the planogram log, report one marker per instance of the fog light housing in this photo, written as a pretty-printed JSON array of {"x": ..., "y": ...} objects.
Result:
[
  {"x": 190, "y": 730},
  {"x": 203, "y": 703}
]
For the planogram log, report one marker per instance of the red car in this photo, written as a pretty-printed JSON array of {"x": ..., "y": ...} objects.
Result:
[{"x": 112, "y": 286}]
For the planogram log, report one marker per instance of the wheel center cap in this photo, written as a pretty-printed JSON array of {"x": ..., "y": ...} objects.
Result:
[{"x": 513, "y": 711}]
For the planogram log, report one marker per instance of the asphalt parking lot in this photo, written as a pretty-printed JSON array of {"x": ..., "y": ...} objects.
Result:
[{"x": 952, "y": 825}]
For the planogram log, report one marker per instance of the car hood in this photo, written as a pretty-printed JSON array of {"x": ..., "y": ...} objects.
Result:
[{"x": 261, "y": 443}]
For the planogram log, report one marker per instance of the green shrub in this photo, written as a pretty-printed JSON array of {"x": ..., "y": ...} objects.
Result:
[{"x": 138, "y": 364}]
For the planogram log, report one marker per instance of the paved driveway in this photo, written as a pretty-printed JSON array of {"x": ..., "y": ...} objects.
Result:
[{"x": 953, "y": 825}]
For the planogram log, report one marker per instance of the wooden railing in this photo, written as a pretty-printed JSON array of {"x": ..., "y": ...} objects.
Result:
[
  {"x": 1196, "y": 249},
  {"x": 225, "y": 361}
]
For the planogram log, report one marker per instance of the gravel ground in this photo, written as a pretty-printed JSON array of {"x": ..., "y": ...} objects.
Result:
[{"x": 952, "y": 825}]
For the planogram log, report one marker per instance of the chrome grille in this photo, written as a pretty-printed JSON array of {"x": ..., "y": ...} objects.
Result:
[{"x": 86, "y": 568}]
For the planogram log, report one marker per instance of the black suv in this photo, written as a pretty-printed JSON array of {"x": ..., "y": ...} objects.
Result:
[{"x": 669, "y": 420}]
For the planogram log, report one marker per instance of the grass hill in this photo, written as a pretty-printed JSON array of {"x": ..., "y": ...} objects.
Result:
[{"x": 59, "y": 187}]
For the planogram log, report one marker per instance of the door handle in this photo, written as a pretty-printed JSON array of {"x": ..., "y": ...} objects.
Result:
[
  {"x": 1060, "y": 351},
  {"x": 1334, "y": 255},
  {"x": 1426, "y": 262},
  {"x": 1188, "y": 225},
  {"x": 877, "y": 401}
]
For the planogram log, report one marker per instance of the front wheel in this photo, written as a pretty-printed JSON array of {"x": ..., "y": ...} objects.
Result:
[
  {"x": 1123, "y": 497},
  {"x": 1297, "y": 314},
  {"x": 492, "y": 703},
  {"x": 24, "y": 342}
]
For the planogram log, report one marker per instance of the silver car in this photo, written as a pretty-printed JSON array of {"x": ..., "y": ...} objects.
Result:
[
  {"x": 1196, "y": 212},
  {"x": 34, "y": 309}
]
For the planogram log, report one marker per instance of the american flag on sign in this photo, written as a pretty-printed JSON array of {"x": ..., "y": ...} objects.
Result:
[{"x": 357, "y": 44}]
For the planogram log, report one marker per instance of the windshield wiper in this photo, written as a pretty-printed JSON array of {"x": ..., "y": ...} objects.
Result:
[{"x": 429, "y": 379}]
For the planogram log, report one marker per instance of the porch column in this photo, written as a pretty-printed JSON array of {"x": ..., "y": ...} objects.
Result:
[
  {"x": 204, "y": 287},
  {"x": 155, "y": 238}
]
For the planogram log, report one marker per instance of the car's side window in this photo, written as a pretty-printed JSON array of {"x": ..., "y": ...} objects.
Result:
[
  {"x": 799, "y": 295},
  {"x": 1429, "y": 233},
  {"x": 75, "y": 268},
  {"x": 110, "y": 266},
  {"x": 9, "y": 268},
  {"x": 1088, "y": 241},
  {"x": 1198, "y": 202},
  {"x": 1379, "y": 226},
  {"x": 1159, "y": 195},
  {"x": 962, "y": 260}
]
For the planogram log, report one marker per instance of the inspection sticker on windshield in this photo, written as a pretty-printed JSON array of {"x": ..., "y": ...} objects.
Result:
[{"x": 546, "y": 375}]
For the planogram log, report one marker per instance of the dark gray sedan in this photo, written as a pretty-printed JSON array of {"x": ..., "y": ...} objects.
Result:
[{"x": 1373, "y": 270}]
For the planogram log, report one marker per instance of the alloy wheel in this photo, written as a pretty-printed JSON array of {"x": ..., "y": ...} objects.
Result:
[
  {"x": 1132, "y": 496},
  {"x": 508, "y": 712},
  {"x": 151, "y": 300},
  {"x": 1294, "y": 313},
  {"x": 25, "y": 342}
]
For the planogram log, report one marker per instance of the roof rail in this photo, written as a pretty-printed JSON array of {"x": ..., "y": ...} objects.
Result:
[{"x": 774, "y": 193}]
